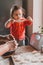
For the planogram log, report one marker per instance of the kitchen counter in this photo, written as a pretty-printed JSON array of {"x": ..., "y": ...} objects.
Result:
[{"x": 26, "y": 55}]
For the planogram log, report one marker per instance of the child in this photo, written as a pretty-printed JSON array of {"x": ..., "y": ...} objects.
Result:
[{"x": 17, "y": 24}]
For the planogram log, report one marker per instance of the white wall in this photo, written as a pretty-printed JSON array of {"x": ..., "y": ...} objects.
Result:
[
  {"x": 35, "y": 10},
  {"x": 42, "y": 12},
  {"x": 37, "y": 15}
]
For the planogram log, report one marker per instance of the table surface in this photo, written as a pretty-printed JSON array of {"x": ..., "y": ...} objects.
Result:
[
  {"x": 19, "y": 50},
  {"x": 24, "y": 49},
  {"x": 33, "y": 56}
]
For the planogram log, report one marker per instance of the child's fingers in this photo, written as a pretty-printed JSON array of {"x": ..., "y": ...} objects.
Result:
[{"x": 29, "y": 18}]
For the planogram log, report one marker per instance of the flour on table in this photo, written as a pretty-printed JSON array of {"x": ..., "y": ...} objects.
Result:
[{"x": 28, "y": 57}]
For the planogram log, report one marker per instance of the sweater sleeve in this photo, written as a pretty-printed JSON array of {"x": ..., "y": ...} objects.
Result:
[
  {"x": 27, "y": 22},
  {"x": 8, "y": 23}
]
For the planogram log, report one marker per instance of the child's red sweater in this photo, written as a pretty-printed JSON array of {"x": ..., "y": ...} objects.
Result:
[{"x": 17, "y": 29}]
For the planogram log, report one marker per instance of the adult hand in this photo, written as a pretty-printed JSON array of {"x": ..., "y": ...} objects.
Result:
[{"x": 12, "y": 45}]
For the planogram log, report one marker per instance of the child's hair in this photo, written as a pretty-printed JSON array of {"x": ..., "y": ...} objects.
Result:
[{"x": 14, "y": 8}]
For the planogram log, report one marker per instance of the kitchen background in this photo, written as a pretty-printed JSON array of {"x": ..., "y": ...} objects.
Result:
[
  {"x": 34, "y": 8},
  {"x": 5, "y": 6}
]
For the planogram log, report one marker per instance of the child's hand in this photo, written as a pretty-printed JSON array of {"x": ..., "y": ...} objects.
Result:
[
  {"x": 8, "y": 23},
  {"x": 29, "y": 18}
]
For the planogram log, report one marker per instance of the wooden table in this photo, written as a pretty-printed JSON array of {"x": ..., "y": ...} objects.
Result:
[
  {"x": 27, "y": 49},
  {"x": 19, "y": 50},
  {"x": 22, "y": 49},
  {"x": 35, "y": 57}
]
